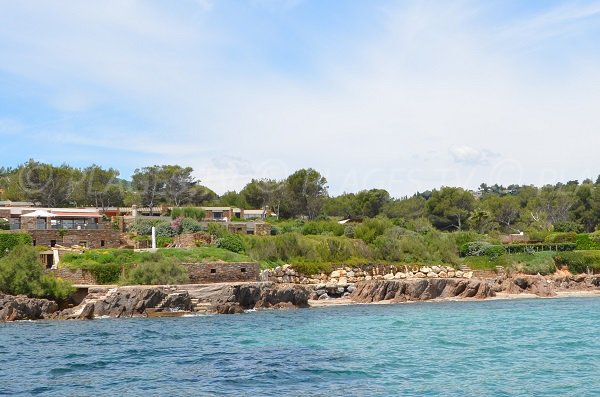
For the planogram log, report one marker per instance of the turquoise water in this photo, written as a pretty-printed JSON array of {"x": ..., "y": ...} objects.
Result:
[{"x": 538, "y": 347}]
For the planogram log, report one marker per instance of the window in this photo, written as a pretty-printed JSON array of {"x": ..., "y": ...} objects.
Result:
[
  {"x": 34, "y": 242},
  {"x": 102, "y": 243},
  {"x": 217, "y": 215},
  {"x": 243, "y": 270},
  {"x": 213, "y": 271},
  {"x": 52, "y": 243},
  {"x": 83, "y": 244}
]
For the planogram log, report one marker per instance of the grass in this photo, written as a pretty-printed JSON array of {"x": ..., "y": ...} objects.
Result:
[
  {"x": 129, "y": 257},
  {"x": 537, "y": 262}
]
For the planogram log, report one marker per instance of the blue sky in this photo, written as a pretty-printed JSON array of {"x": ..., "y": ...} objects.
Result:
[{"x": 403, "y": 95}]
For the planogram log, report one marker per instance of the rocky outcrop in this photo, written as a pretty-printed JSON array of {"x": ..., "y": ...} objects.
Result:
[
  {"x": 20, "y": 307},
  {"x": 128, "y": 302},
  {"x": 545, "y": 286},
  {"x": 237, "y": 298},
  {"x": 420, "y": 289}
]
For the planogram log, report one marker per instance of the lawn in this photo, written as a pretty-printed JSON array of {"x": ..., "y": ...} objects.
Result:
[{"x": 126, "y": 257}]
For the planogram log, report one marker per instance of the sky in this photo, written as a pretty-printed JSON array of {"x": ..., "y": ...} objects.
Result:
[{"x": 401, "y": 95}]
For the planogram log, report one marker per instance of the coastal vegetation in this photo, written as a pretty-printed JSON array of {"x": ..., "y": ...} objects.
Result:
[
  {"x": 21, "y": 274},
  {"x": 120, "y": 266},
  {"x": 449, "y": 225}
]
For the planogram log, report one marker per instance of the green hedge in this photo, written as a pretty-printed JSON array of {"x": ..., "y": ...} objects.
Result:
[
  {"x": 587, "y": 242},
  {"x": 482, "y": 248},
  {"x": 568, "y": 237},
  {"x": 579, "y": 261},
  {"x": 10, "y": 240}
]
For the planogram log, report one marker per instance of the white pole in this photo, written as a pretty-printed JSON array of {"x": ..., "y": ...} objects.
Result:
[{"x": 153, "y": 238}]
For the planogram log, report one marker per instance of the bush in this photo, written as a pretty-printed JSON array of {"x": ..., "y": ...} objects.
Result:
[
  {"x": 189, "y": 225},
  {"x": 370, "y": 229},
  {"x": 231, "y": 242},
  {"x": 165, "y": 229},
  {"x": 539, "y": 262},
  {"x": 8, "y": 241},
  {"x": 568, "y": 226},
  {"x": 579, "y": 261},
  {"x": 349, "y": 231},
  {"x": 482, "y": 248},
  {"x": 105, "y": 273},
  {"x": 585, "y": 242},
  {"x": 323, "y": 227},
  {"x": 21, "y": 273},
  {"x": 4, "y": 224},
  {"x": 554, "y": 238},
  {"x": 194, "y": 213},
  {"x": 153, "y": 273},
  {"x": 143, "y": 226},
  {"x": 217, "y": 230},
  {"x": 162, "y": 242}
]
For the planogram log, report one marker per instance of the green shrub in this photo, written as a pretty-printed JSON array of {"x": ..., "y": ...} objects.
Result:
[
  {"x": 8, "y": 241},
  {"x": 216, "y": 229},
  {"x": 579, "y": 261},
  {"x": 349, "y": 231},
  {"x": 189, "y": 225},
  {"x": 194, "y": 213},
  {"x": 474, "y": 248},
  {"x": 461, "y": 237},
  {"x": 106, "y": 273},
  {"x": 568, "y": 226},
  {"x": 585, "y": 242},
  {"x": 539, "y": 262},
  {"x": 370, "y": 229},
  {"x": 143, "y": 226},
  {"x": 4, "y": 224},
  {"x": 554, "y": 238},
  {"x": 162, "y": 242},
  {"x": 323, "y": 227},
  {"x": 21, "y": 273},
  {"x": 155, "y": 273},
  {"x": 164, "y": 229},
  {"x": 231, "y": 242}
]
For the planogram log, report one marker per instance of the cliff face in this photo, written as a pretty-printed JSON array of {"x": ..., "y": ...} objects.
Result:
[
  {"x": 420, "y": 289},
  {"x": 14, "y": 308}
]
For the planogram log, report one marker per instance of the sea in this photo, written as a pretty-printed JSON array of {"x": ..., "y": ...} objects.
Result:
[{"x": 524, "y": 347}]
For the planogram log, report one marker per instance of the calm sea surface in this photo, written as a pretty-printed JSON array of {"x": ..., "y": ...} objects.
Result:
[{"x": 537, "y": 347}]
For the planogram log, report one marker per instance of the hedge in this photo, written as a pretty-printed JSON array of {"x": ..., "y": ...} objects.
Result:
[
  {"x": 10, "y": 240},
  {"x": 587, "y": 242},
  {"x": 579, "y": 261}
]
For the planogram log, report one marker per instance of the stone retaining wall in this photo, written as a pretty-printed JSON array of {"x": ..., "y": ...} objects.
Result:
[
  {"x": 76, "y": 276},
  {"x": 346, "y": 275},
  {"x": 222, "y": 272}
]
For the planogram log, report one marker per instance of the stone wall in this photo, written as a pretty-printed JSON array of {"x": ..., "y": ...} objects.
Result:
[
  {"x": 221, "y": 272},
  {"x": 76, "y": 276},
  {"x": 347, "y": 275},
  {"x": 106, "y": 238}
]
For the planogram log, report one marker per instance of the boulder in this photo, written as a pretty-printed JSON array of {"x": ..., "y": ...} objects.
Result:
[
  {"x": 20, "y": 307},
  {"x": 419, "y": 275}
]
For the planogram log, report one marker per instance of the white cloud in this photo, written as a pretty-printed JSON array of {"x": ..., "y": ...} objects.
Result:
[
  {"x": 471, "y": 156},
  {"x": 378, "y": 110}
]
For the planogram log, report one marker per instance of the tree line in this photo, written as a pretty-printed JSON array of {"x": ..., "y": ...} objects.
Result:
[{"x": 571, "y": 206}]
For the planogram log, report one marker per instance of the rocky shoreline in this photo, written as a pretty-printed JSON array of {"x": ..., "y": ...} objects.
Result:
[{"x": 150, "y": 301}]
